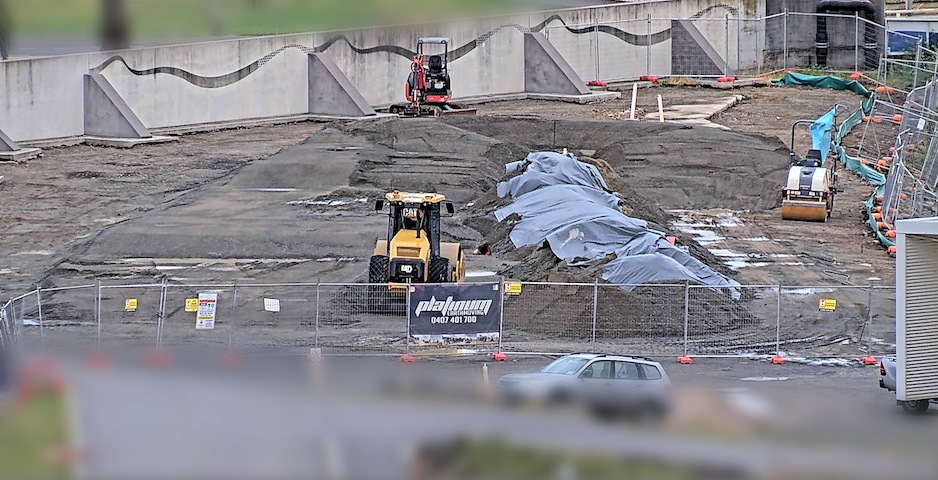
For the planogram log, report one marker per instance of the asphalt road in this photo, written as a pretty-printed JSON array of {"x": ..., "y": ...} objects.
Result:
[{"x": 273, "y": 418}]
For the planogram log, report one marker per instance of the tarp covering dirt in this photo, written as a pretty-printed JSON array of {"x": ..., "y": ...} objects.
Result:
[
  {"x": 567, "y": 204},
  {"x": 821, "y": 132},
  {"x": 824, "y": 81}
]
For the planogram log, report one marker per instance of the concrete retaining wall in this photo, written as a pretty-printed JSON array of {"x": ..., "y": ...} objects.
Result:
[{"x": 268, "y": 76}]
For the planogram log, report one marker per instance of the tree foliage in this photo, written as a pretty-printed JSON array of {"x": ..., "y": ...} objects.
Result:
[
  {"x": 4, "y": 31},
  {"x": 115, "y": 28}
]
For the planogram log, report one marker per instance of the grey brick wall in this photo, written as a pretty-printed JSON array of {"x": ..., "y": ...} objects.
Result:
[{"x": 687, "y": 56}]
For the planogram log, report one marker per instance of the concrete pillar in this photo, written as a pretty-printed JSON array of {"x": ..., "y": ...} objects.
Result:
[
  {"x": 691, "y": 52},
  {"x": 7, "y": 145},
  {"x": 546, "y": 71},
  {"x": 107, "y": 114},
  {"x": 331, "y": 92}
]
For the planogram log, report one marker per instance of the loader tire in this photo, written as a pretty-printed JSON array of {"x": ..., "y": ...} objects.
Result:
[
  {"x": 440, "y": 271},
  {"x": 378, "y": 269}
]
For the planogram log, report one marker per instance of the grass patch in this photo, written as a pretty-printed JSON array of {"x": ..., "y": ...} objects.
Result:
[
  {"x": 30, "y": 433},
  {"x": 496, "y": 459},
  {"x": 159, "y": 18},
  {"x": 679, "y": 82}
]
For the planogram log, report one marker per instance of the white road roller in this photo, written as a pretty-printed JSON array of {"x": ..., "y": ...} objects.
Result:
[{"x": 809, "y": 191}]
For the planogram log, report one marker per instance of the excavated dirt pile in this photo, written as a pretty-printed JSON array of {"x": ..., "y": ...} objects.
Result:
[{"x": 677, "y": 166}]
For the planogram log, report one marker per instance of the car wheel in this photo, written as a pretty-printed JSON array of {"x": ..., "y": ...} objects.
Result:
[
  {"x": 915, "y": 407},
  {"x": 558, "y": 398}
]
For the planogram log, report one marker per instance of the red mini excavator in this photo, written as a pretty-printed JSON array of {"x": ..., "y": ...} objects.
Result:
[{"x": 428, "y": 88}]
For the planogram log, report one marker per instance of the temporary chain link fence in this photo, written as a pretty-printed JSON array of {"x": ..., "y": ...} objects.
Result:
[
  {"x": 898, "y": 141},
  {"x": 371, "y": 319},
  {"x": 723, "y": 46},
  {"x": 704, "y": 47}
]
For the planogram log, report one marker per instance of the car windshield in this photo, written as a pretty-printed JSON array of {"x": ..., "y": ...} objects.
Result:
[{"x": 565, "y": 366}]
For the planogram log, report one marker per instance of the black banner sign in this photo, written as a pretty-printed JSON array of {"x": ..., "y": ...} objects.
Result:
[{"x": 450, "y": 309}]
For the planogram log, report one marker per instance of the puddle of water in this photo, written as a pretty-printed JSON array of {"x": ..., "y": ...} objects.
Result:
[
  {"x": 755, "y": 239},
  {"x": 806, "y": 291},
  {"x": 480, "y": 274},
  {"x": 726, "y": 222},
  {"x": 682, "y": 225},
  {"x": 34, "y": 252},
  {"x": 171, "y": 267},
  {"x": 336, "y": 259},
  {"x": 736, "y": 264},
  {"x": 270, "y": 190},
  {"x": 703, "y": 237},
  {"x": 328, "y": 203}
]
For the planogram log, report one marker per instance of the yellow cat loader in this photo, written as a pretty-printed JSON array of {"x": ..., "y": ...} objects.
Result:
[{"x": 413, "y": 252}]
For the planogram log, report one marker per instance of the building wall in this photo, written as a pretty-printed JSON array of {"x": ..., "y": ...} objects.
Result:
[{"x": 267, "y": 76}]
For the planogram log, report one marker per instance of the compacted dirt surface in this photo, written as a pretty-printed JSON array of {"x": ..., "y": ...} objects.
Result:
[
  {"x": 293, "y": 203},
  {"x": 73, "y": 193}
]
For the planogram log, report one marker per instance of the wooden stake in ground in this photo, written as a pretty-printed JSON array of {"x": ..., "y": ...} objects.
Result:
[
  {"x": 660, "y": 110},
  {"x": 634, "y": 97}
]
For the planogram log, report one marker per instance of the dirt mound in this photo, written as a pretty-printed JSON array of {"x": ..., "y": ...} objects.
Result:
[
  {"x": 679, "y": 166},
  {"x": 540, "y": 264}
]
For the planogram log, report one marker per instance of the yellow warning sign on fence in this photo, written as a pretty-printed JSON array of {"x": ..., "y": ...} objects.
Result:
[
  {"x": 513, "y": 288},
  {"x": 827, "y": 305},
  {"x": 130, "y": 305},
  {"x": 192, "y": 305}
]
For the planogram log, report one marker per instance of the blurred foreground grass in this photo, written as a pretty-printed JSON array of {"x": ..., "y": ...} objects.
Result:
[
  {"x": 30, "y": 434},
  {"x": 483, "y": 459},
  {"x": 198, "y": 18}
]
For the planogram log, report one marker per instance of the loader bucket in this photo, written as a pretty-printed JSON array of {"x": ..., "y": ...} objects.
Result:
[{"x": 806, "y": 211}]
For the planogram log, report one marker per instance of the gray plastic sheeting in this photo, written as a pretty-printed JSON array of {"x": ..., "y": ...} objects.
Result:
[
  {"x": 567, "y": 204},
  {"x": 549, "y": 168}
]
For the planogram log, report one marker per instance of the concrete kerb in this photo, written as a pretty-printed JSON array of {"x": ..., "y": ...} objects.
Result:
[
  {"x": 701, "y": 114},
  {"x": 592, "y": 97},
  {"x": 11, "y": 151},
  {"x": 126, "y": 142},
  {"x": 106, "y": 113},
  {"x": 19, "y": 155}
]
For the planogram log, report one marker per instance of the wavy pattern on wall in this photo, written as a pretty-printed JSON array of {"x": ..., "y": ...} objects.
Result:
[{"x": 640, "y": 40}]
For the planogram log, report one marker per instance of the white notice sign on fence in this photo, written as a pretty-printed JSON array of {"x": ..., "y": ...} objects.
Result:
[
  {"x": 272, "y": 304},
  {"x": 205, "y": 318}
]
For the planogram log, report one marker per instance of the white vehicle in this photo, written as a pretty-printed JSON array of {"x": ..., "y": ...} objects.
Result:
[
  {"x": 604, "y": 383},
  {"x": 913, "y": 372}
]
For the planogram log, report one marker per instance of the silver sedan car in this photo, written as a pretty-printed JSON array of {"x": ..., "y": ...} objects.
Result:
[{"x": 605, "y": 383}]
